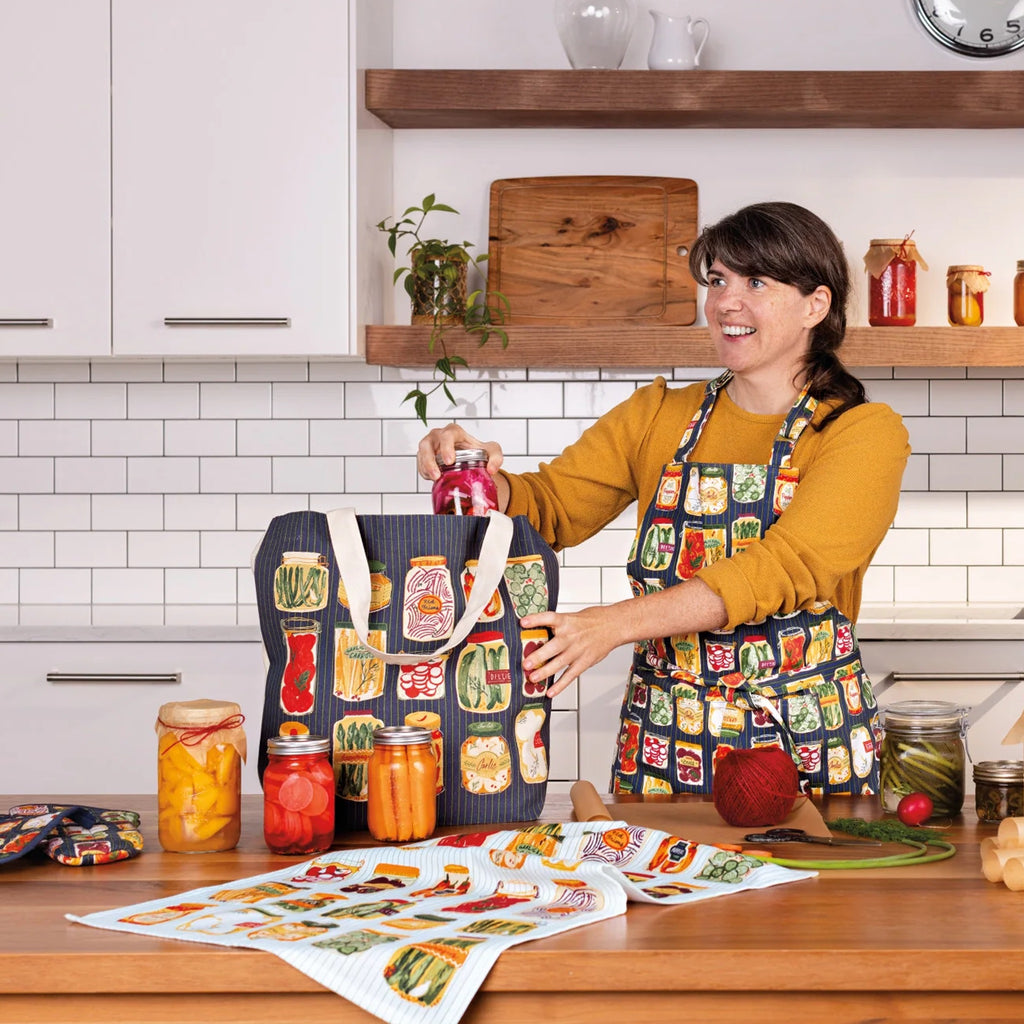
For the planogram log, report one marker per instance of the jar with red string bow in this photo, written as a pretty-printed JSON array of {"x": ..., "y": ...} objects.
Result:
[{"x": 891, "y": 264}]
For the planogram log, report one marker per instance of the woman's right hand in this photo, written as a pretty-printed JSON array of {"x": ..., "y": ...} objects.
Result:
[{"x": 442, "y": 443}]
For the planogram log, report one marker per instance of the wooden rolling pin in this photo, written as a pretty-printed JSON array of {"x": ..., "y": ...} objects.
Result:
[{"x": 586, "y": 802}]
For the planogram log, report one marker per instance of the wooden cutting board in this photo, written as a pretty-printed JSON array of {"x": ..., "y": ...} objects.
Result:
[{"x": 596, "y": 250}]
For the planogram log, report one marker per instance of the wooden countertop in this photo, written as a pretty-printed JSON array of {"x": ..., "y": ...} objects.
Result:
[{"x": 921, "y": 942}]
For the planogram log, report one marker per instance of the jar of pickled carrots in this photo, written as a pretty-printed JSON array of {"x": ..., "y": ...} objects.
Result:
[
  {"x": 298, "y": 795},
  {"x": 966, "y": 284},
  {"x": 201, "y": 747},
  {"x": 1018, "y": 295},
  {"x": 891, "y": 264},
  {"x": 401, "y": 785},
  {"x": 465, "y": 488}
]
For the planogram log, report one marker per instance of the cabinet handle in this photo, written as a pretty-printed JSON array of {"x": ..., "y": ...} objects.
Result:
[
  {"x": 955, "y": 677},
  {"x": 227, "y": 321},
  {"x": 113, "y": 677},
  {"x": 26, "y": 321}
]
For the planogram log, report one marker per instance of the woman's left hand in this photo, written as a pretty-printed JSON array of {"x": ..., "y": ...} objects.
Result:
[{"x": 579, "y": 640}]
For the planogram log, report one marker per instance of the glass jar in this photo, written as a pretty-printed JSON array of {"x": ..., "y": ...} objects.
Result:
[
  {"x": 1018, "y": 295},
  {"x": 923, "y": 752},
  {"x": 465, "y": 488},
  {"x": 999, "y": 790},
  {"x": 966, "y": 284},
  {"x": 298, "y": 795},
  {"x": 401, "y": 794},
  {"x": 201, "y": 747},
  {"x": 891, "y": 264}
]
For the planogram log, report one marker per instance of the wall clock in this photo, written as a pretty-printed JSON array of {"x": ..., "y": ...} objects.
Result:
[{"x": 974, "y": 28}]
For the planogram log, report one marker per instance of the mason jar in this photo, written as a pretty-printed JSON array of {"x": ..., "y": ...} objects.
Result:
[
  {"x": 923, "y": 752},
  {"x": 999, "y": 790},
  {"x": 298, "y": 795}
]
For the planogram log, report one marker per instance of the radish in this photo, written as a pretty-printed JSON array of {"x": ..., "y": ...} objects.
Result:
[{"x": 914, "y": 809}]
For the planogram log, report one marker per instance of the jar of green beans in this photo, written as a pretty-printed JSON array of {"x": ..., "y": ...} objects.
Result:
[{"x": 923, "y": 752}]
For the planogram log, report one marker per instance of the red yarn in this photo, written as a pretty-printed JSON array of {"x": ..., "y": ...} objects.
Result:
[{"x": 755, "y": 787}]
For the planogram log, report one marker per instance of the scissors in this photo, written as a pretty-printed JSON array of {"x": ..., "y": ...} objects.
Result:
[{"x": 798, "y": 835}]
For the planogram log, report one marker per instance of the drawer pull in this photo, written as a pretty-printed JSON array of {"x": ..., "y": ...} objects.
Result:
[
  {"x": 113, "y": 677},
  {"x": 956, "y": 677},
  {"x": 227, "y": 321},
  {"x": 26, "y": 321}
]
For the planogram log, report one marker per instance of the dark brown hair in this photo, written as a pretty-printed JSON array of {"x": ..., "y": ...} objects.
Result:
[{"x": 790, "y": 244}]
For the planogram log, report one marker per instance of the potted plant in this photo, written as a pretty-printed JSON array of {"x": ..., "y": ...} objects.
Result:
[{"x": 435, "y": 279}]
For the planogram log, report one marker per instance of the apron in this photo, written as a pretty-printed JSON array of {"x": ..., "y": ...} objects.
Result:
[{"x": 792, "y": 680}]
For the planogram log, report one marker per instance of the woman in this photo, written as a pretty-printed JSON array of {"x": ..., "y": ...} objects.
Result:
[{"x": 763, "y": 495}]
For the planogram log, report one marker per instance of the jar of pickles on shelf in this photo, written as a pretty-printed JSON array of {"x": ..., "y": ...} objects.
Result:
[
  {"x": 1018, "y": 295},
  {"x": 966, "y": 284},
  {"x": 999, "y": 790},
  {"x": 891, "y": 264}
]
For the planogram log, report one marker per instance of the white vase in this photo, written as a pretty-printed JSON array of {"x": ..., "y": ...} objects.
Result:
[{"x": 594, "y": 33}]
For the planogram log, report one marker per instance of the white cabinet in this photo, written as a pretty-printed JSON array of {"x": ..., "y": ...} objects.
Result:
[
  {"x": 55, "y": 178},
  {"x": 231, "y": 177}
]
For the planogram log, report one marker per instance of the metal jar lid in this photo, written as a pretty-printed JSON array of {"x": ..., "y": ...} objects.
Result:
[
  {"x": 925, "y": 716},
  {"x": 303, "y": 744},
  {"x": 400, "y": 735},
  {"x": 464, "y": 455},
  {"x": 1000, "y": 771}
]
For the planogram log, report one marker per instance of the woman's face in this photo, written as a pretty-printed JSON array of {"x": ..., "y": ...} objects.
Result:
[{"x": 759, "y": 325}]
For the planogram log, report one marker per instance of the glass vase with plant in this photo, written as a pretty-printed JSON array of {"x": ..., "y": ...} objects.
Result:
[{"x": 435, "y": 279}]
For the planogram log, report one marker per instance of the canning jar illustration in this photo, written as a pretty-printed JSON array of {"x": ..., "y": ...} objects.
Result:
[
  {"x": 714, "y": 493},
  {"x": 300, "y": 581},
  {"x": 687, "y": 652},
  {"x": 380, "y": 587},
  {"x": 483, "y": 680},
  {"x": 838, "y": 761},
  {"x": 531, "y": 639},
  {"x": 659, "y": 545},
  {"x": 757, "y": 659},
  {"x": 691, "y": 553},
  {"x": 533, "y": 758},
  {"x": 527, "y": 584},
  {"x": 863, "y": 749},
  {"x": 431, "y": 721},
  {"x": 669, "y": 487},
  {"x": 298, "y": 681},
  {"x": 429, "y": 608},
  {"x": 358, "y": 674},
  {"x": 748, "y": 482},
  {"x": 352, "y": 746},
  {"x": 486, "y": 761},
  {"x": 791, "y": 647},
  {"x": 494, "y": 607}
]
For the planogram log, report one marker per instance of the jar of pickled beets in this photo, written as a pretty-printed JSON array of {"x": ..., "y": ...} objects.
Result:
[
  {"x": 465, "y": 488},
  {"x": 298, "y": 795}
]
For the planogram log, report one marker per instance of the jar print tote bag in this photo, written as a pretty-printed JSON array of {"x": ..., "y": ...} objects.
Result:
[{"x": 410, "y": 620}]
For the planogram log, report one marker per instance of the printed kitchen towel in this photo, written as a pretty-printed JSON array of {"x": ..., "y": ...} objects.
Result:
[
  {"x": 410, "y": 933},
  {"x": 370, "y": 621}
]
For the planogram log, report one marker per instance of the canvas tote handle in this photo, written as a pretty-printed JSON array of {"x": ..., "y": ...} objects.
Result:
[{"x": 355, "y": 573}]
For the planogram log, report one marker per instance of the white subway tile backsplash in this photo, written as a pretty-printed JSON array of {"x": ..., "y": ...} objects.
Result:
[
  {"x": 298, "y": 475},
  {"x": 246, "y": 583},
  {"x": 1002, "y": 583},
  {"x": 201, "y": 437},
  {"x": 163, "y": 475},
  {"x": 1013, "y": 472},
  {"x": 9, "y": 512},
  {"x": 55, "y": 586},
  {"x": 966, "y": 547},
  {"x": 273, "y": 372},
  {"x": 970, "y": 397},
  {"x": 235, "y": 400},
  {"x": 126, "y": 511},
  {"x": 52, "y": 512},
  {"x": 548, "y": 438},
  {"x": 384, "y": 475},
  {"x": 609, "y": 547},
  {"x": 57, "y": 370},
  {"x": 23, "y": 475},
  {"x": 127, "y": 437},
  {"x": 1013, "y": 549},
  {"x": 343, "y": 369},
  {"x": 379, "y": 400},
  {"x": 26, "y": 401},
  {"x": 314, "y": 400},
  {"x": 225, "y": 615},
  {"x": 9, "y": 589},
  {"x": 614, "y": 584},
  {"x": 155, "y": 548},
  {"x": 907, "y": 397},
  {"x": 9, "y": 430},
  {"x": 998, "y": 511},
  {"x": 343, "y": 437},
  {"x": 140, "y": 615},
  {"x": 64, "y": 614},
  {"x": 1002, "y": 434},
  {"x": 165, "y": 401},
  {"x": 199, "y": 511},
  {"x": 199, "y": 370},
  {"x": 590, "y": 399},
  {"x": 965, "y": 472},
  {"x": 233, "y": 475},
  {"x": 916, "y": 475},
  {"x": 99, "y": 475},
  {"x": 579, "y": 585},
  {"x": 54, "y": 437},
  {"x": 94, "y": 401},
  {"x": 273, "y": 437},
  {"x": 234, "y": 548},
  {"x": 903, "y": 547},
  {"x": 201, "y": 586},
  {"x": 125, "y": 370},
  {"x": 945, "y": 434},
  {"x": 930, "y": 584},
  {"x": 256, "y": 510},
  {"x": 879, "y": 585},
  {"x": 1013, "y": 397},
  {"x": 122, "y": 586},
  {"x": 931, "y": 511},
  {"x": 83, "y": 549},
  {"x": 527, "y": 399}
]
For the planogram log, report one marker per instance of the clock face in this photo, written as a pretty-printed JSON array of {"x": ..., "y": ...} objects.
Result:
[{"x": 975, "y": 28}]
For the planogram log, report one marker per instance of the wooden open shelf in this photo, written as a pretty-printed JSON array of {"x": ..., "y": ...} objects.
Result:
[
  {"x": 666, "y": 347},
  {"x": 418, "y": 98}
]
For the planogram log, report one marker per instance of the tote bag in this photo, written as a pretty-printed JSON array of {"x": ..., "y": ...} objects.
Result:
[{"x": 370, "y": 621}]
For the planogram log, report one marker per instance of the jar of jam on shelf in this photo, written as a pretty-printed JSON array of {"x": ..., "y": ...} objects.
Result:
[
  {"x": 201, "y": 747},
  {"x": 966, "y": 284},
  {"x": 891, "y": 264},
  {"x": 465, "y": 488},
  {"x": 298, "y": 795},
  {"x": 923, "y": 752},
  {"x": 1018, "y": 295},
  {"x": 401, "y": 785},
  {"x": 999, "y": 790}
]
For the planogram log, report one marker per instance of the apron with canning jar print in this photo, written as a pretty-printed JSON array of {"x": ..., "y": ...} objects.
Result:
[{"x": 793, "y": 680}]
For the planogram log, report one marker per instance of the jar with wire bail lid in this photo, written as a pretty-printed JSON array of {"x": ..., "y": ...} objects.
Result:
[
  {"x": 999, "y": 790},
  {"x": 923, "y": 751},
  {"x": 465, "y": 488}
]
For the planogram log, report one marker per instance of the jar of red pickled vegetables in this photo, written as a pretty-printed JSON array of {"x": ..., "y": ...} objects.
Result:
[
  {"x": 298, "y": 795},
  {"x": 891, "y": 264},
  {"x": 401, "y": 785},
  {"x": 1018, "y": 295},
  {"x": 465, "y": 488},
  {"x": 966, "y": 284},
  {"x": 200, "y": 750}
]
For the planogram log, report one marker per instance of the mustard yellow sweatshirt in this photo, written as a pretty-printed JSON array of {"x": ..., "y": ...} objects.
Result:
[{"x": 820, "y": 547}]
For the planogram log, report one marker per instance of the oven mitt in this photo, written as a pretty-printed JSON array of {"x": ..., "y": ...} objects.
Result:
[{"x": 70, "y": 834}]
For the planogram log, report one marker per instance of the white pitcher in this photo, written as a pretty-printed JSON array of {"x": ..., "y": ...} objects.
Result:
[{"x": 672, "y": 46}]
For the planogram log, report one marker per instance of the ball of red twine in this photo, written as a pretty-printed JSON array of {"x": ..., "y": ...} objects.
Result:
[{"x": 755, "y": 787}]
